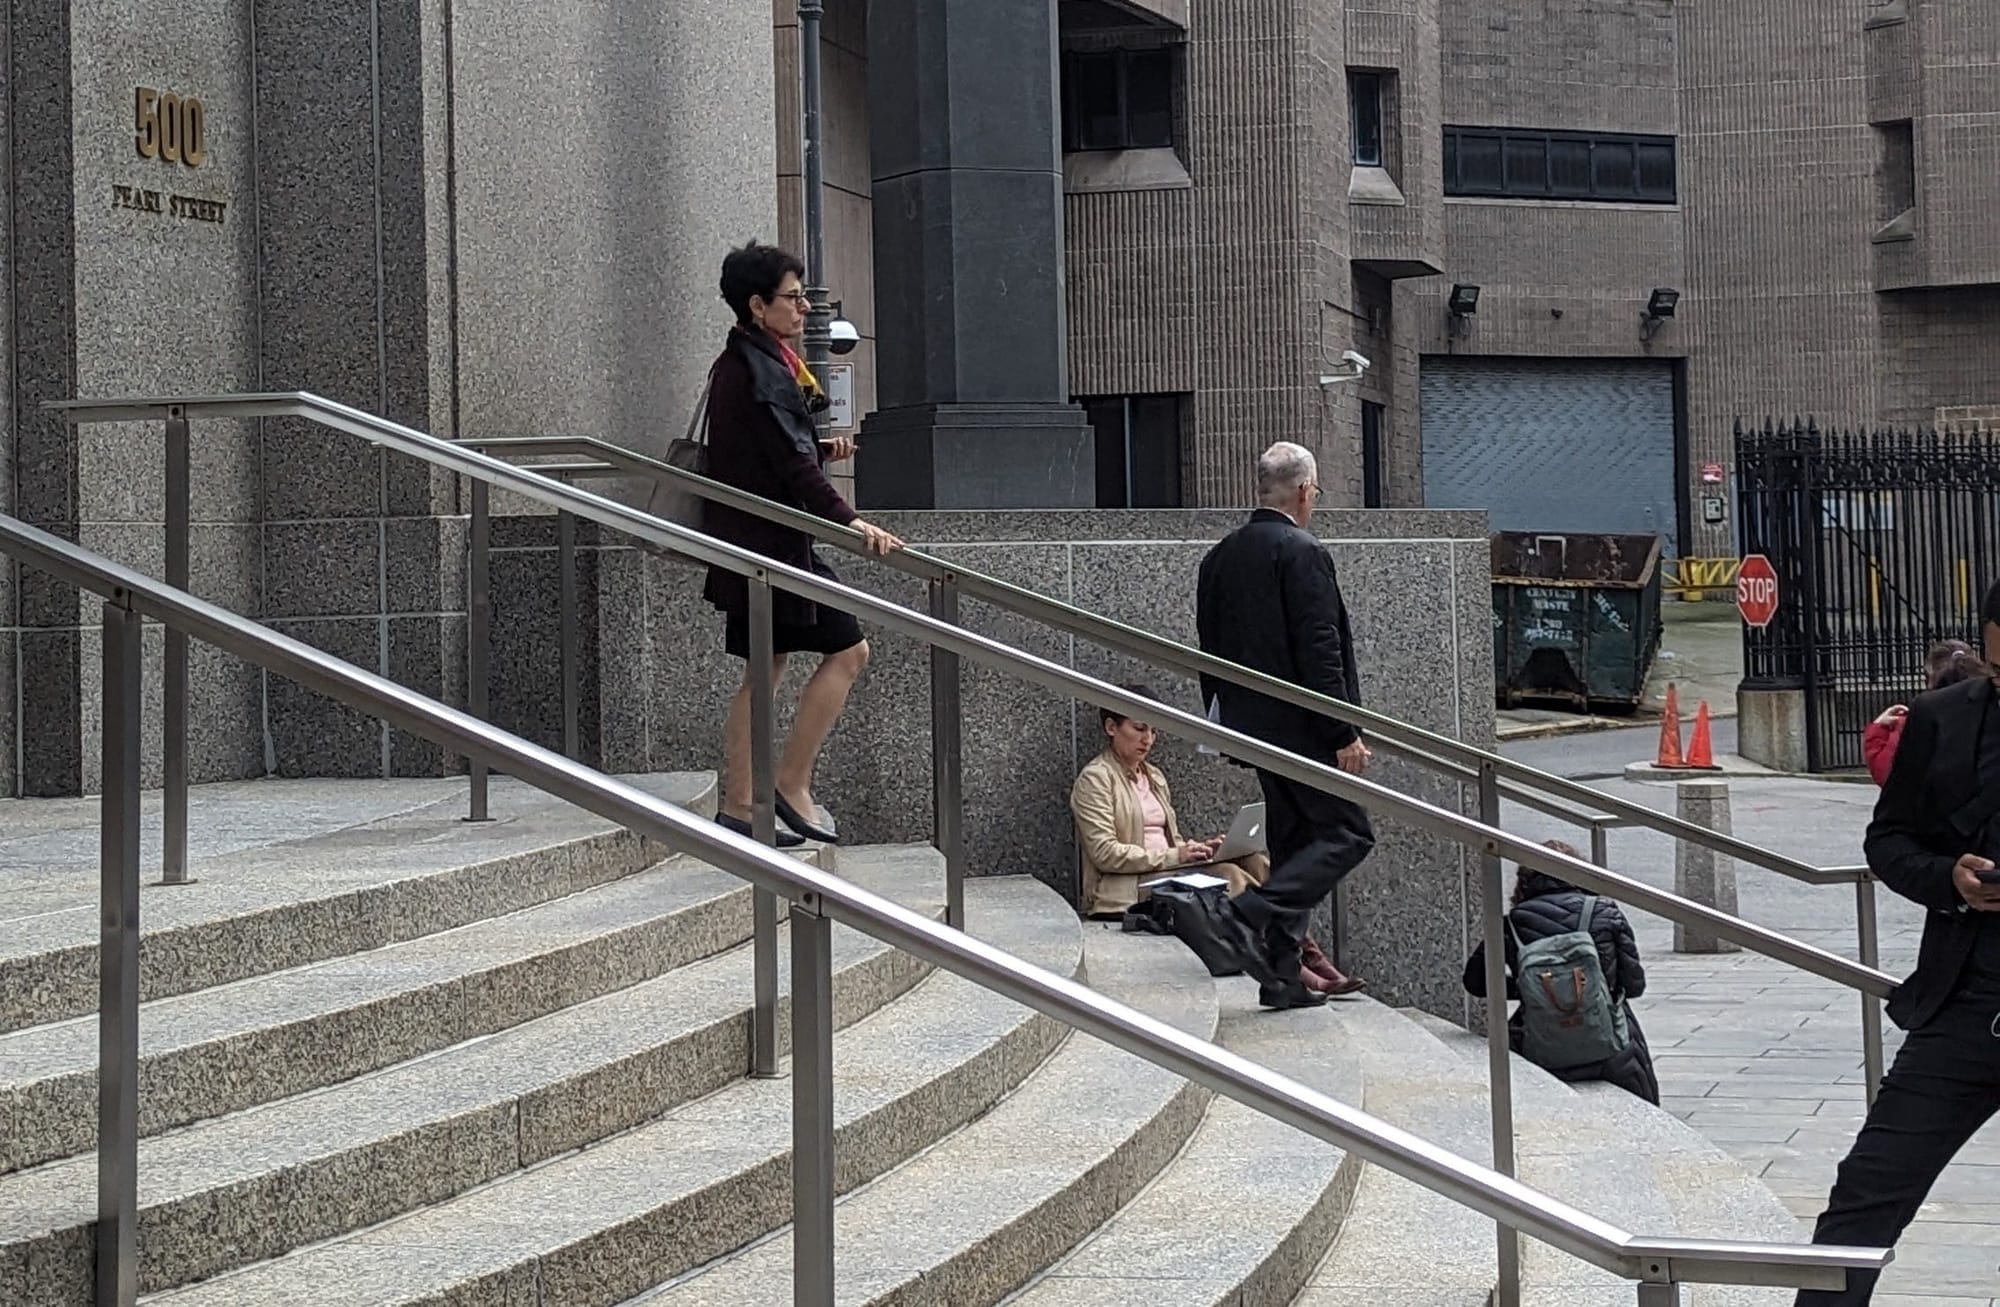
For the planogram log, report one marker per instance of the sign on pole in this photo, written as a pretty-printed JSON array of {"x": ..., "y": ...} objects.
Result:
[
  {"x": 1757, "y": 591},
  {"x": 840, "y": 391}
]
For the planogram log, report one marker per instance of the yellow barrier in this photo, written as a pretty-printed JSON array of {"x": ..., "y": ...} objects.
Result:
[{"x": 1692, "y": 578}]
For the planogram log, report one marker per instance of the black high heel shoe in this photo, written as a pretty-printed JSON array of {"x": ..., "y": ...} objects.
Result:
[
  {"x": 810, "y": 830},
  {"x": 736, "y": 825}
]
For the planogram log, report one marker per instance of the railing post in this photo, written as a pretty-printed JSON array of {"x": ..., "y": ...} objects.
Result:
[
  {"x": 566, "y": 637},
  {"x": 479, "y": 634},
  {"x": 1499, "y": 1054},
  {"x": 947, "y": 757},
  {"x": 1659, "y": 1293},
  {"x": 812, "y": 1106},
  {"x": 117, "y": 1274},
  {"x": 764, "y": 827},
  {"x": 1600, "y": 843},
  {"x": 174, "y": 696},
  {"x": 1868, "y": 937}
]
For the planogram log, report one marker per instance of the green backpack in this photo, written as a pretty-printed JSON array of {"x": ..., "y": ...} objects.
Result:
[{"x": 1569, "y": 1017}]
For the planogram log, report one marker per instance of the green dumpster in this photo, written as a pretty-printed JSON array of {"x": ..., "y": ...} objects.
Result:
[{"x": 1576, "y": 618}]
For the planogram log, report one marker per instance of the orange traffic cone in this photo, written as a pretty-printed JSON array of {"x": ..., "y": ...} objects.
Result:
[
  {"x": 1670, "y": 732},
  {"x": 1701, "y": 752}
]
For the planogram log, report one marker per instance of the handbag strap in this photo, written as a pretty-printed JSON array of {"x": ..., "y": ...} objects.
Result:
[{"x": 697, "y": 432}]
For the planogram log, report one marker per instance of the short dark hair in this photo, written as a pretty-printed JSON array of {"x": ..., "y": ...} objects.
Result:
[
  {"x": 1989, "y": 612},
  {"x": 755, "y": 272},
  {"x": 1112, "y": 717}
]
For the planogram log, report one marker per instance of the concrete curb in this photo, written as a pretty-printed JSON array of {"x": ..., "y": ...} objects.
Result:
[{"x": 1512, "y": 732}]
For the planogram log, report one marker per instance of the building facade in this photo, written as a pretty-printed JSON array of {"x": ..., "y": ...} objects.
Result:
[{"x": 1253, "y": 188}]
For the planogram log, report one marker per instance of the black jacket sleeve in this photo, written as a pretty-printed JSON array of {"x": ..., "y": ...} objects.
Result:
[
  {"x": 1312, "y": 619},
  {"x": 1206, "y": 622},
  {"x": 1628, "y": 978},
  {"x": 1897, "y": 851},
  {"x": 1474, "y": 979}
]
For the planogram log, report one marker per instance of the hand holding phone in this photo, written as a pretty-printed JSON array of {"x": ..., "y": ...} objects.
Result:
[{"x": 1977, "y": 881}]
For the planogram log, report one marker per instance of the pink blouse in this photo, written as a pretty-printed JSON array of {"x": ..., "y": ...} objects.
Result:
[{"x": 1155, "y": 814}]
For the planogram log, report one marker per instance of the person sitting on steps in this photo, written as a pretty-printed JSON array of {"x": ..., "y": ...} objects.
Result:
[
  {"x": 1543, "y": 908},
  {"x": 1127, "y": 830}
]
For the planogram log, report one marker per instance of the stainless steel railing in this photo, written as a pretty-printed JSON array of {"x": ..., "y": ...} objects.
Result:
[
  {"x": 947, "y": 642},
  {"x": 1510, "y": 781},
  {"x": 1659, "y": 1266}
]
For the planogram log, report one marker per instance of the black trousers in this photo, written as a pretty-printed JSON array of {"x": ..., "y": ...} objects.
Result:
[
  {"x": 1944, "y": 1086},
  {"x": 1315, "y": 840}
]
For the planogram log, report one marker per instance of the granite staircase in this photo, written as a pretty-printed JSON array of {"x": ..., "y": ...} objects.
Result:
[{"x": 413, "y": 1061}]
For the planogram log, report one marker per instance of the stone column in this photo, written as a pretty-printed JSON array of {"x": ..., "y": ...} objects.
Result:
[
  {"x": 972, "y": 375},
  {"x": 1707, "y": 877}
]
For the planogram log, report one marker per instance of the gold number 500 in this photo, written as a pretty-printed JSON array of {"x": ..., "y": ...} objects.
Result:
[{"x": 170, "y": 128}]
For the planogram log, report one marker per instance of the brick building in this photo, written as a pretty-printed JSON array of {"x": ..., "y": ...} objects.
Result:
[{"x": 1253, "y": 187}]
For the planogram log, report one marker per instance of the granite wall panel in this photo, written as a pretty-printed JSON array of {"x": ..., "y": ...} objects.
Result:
[{"x": 1416, "y": 581}]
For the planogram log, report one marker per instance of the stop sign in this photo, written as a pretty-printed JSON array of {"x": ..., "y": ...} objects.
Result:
[{"x": 1757, "y": 591}]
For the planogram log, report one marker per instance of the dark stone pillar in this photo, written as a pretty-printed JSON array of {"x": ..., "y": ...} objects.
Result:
[{"x": 972, "y": 385}]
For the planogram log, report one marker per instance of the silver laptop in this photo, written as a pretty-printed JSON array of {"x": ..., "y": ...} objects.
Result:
[{"x": 1246, "y": 834}]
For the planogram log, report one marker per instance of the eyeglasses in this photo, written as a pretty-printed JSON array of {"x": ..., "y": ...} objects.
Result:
[{"x": 797, "y": 297}]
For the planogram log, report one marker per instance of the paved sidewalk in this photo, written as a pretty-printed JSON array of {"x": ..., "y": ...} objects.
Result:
[{"x": 1765, "y": 1060}]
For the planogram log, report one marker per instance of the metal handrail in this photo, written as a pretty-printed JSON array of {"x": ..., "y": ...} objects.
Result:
[
  {"x": 1520, "y": 783},
  {"x": 947, "y": 642},
  {"x": 525, "y": 481},
  {"x": 818, "y": 899}
]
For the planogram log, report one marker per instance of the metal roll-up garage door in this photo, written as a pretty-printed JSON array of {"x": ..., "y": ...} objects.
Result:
[{"x": 1553, "y": 444}]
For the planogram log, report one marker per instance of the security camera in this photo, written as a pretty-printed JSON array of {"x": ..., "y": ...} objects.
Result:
[
  {"x": 1352, "y": 364},
  {"x": 844, "y": 336}
]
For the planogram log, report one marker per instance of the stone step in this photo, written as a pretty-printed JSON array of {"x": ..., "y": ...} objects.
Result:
[
  {"x": 294, "y": 872},
  {"x": 602, "y": 1224},
  {"x": 1595, "y": 1147},
  {"x": 969, "y": 1221},
  {"x": 238, "y": 1189},
  {"x": 1248, "y": 1208},
  {"x": 221, "y": 1050}
]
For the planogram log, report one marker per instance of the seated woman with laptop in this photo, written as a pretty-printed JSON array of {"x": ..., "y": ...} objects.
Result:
[{"x": 1129, "y": 836}]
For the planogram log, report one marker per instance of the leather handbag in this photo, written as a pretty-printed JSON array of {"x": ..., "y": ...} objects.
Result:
[{"x": 671, "y": 500}]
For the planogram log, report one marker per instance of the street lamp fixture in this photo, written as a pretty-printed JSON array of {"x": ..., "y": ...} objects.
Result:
[
  {"x": 1463, "y": 303},
  {"x": 819, "y": 316},
  {"x": 1659, "y": 307}
]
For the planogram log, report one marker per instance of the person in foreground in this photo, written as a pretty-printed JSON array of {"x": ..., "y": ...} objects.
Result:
[
  {"x": 761, "y": 439},
  {"x": 1594, "y": 1034},
  {"x": 1935, "y": 840},
  {"x": 1268, "y": 599},
  {"x": 1127, "y": 828}
]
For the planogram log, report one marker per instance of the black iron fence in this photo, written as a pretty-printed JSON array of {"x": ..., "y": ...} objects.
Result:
[{"x": 1883, "y": 542}]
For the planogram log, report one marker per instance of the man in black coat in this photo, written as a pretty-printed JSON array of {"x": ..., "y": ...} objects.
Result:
[
  {"x": 1936, "y": 833},
  {"x": 1268, "y": 600}
]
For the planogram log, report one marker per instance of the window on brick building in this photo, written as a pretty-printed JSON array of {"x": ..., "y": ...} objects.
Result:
[
  {"x": 1510, "y": 163},
  {"x": 1372, "y": 420},
  {"x": 1364, "y": 96},
  {"x": 1138, "y": 449},
  {"x": 1118, "y": 99}
]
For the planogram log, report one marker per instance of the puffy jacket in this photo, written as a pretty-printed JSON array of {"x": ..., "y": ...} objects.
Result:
[
  {"x": 1552, "y": 908},
  {"x": 1878, "y": 746},
  {"x": 1557, "y": 910}
]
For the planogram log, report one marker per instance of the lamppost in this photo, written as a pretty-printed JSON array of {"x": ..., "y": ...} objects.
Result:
[{"x": 819, "y": 320}]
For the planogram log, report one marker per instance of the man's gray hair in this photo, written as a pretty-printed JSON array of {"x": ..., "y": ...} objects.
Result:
[{"x": 1282, "y": 470}]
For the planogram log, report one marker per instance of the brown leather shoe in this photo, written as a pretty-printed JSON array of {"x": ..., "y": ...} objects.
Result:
[{"x": 1317, "y": 963}]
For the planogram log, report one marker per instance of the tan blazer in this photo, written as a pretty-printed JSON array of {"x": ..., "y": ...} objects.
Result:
[{"x": 1111, "y": 837}]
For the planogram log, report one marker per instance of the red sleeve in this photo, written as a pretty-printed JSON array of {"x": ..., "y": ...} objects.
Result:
[{"x": 1878, "y": 747}]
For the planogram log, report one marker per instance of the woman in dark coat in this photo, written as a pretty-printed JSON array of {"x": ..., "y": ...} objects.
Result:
[
  {"x": 762, "y": 439},
  {"x": 1544, "y": 906}
]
